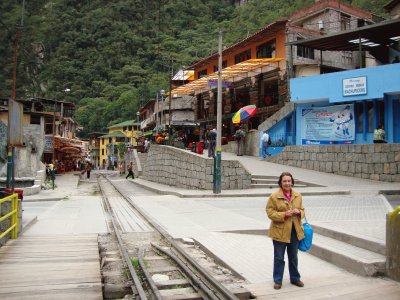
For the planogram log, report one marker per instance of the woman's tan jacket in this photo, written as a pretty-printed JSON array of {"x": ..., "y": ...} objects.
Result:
[{"x": 281, "y": 228}]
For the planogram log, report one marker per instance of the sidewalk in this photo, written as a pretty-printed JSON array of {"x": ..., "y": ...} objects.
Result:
[
  {"x": 330, "y": 183},
  {"x": 233, "y": 224},
  {"x": 69, "y": 208}
]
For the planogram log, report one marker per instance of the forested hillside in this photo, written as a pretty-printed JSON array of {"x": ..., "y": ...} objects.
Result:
[{"x": 112, "y": 54}]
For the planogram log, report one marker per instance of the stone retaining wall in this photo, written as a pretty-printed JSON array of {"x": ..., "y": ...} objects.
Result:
[
  {"x": 184, "y": 169},
  {"x": 376, "y": 161}
]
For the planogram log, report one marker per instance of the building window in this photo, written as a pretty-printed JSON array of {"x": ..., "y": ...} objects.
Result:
[
  {"x": 266, "y": 50},
  {"x": 35, "y": 120},
  {"x": 269, "y": 93},
  {"x": 102, "y": 151},
  {"x": 242, "y": 98},
  {"x": 359, "y": 111},
  {"x": 344, "y": 22},
  {"x": 48, "y": 129},
  {"x": 243, "y": 56},
  {"x": 224, "y": 65},
  {"x": 381, "y": 113},
  {"x": 109, "y": 140},
  {"x": 347, "y": 57},
  {"x": 304, "y": 51},
  {"x": 202, "y": 73},
  {"x": 202, "y": 107},
  {"x": 370, "y": 114}
]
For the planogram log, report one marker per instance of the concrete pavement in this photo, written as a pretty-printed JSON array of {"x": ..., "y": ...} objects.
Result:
[{"x": 233, "y": 224}]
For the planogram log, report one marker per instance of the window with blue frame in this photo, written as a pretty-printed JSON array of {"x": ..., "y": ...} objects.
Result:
[
  {"x": 359, "y": 111},
  {"x": 370, "y": 114}
]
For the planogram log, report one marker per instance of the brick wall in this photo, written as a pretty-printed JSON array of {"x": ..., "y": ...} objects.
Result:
[
  {"x": 377, "y": 161},
  {"x": 184, "y": 169}
]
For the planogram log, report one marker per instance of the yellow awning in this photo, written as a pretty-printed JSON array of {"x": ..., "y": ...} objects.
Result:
[{"x": 245, "y": 69}]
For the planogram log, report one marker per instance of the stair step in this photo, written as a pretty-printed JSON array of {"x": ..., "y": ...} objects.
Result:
[
  {"x": 353, "y": 259},
  {"x": 269, "y": 185},
  {"x": 367, "y": 244}
]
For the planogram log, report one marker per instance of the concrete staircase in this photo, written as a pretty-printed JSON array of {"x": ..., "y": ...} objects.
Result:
[
  {"x": 265, "y": 181},
  {"x": 355, "y": 254}
]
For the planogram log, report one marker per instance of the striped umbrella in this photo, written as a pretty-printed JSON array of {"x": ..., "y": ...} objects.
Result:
[{"x": 243, "y": 114}]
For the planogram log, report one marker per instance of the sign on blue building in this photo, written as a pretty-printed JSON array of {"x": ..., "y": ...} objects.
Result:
[
  {"x": 355, "y": 86},
  {"x": 328, "y": 125}
]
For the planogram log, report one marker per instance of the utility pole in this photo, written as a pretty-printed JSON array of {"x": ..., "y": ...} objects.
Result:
[
  {"x": 217, "y": 159},
  {"x": 10, "y": 181},
  {"x": 169, "y": 108}
]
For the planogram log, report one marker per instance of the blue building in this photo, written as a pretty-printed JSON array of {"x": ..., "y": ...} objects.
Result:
[{"x": 345, "y": 107}]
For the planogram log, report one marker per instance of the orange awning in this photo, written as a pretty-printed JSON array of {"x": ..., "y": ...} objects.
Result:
[{"x": 245, "y": 69}]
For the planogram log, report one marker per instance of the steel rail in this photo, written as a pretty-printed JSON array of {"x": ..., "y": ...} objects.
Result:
[
  {"x": 153, "y": 286},
  {"x": 189, "y": 272},
  {"x": 217, "y": 287},
  {"x": 137, "y": 288}
]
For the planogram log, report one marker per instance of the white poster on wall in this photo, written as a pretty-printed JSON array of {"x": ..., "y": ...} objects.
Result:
[
  {"x": 48, "y": 144},
  {"x": 328, "y": 125}
]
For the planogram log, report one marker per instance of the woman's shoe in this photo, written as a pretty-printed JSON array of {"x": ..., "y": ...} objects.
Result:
[
  {"x": 277, "y": 285},
  {"x": 298, "y": 283}
]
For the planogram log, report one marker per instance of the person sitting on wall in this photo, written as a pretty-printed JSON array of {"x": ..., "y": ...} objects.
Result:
[{"x": 379, "y": 135}]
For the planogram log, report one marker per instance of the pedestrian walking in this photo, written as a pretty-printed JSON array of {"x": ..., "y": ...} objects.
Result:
[
  {"x": 130, "y": 171},
  {"x": 146, "y": 145},
  {"x": 212, "y": 140},
  {"x": 240, "y": 136},
  {"x": 88, "y": 169},
  {"x": 266, "y": 142},
  {"x": 285, "y": 209}
]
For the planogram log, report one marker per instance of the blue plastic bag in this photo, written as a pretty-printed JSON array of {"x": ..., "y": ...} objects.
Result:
[{"x": 306, "y": 243}]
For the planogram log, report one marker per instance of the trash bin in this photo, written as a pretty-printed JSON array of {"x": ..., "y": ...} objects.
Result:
[
  {"x": 199, "y": 147},
  {"x": 194, "y": 147},
  {"x": 20, "y": 192}
]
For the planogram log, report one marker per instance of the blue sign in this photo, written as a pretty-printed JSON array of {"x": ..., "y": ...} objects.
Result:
[
  {"x": 214, "y": 83},
  {"x": 328, "y": 125}
]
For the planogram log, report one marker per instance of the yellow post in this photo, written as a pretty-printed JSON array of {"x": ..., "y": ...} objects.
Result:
[
  {"x": 13, "y": 214},
  {"x": 14, "y": 218}
]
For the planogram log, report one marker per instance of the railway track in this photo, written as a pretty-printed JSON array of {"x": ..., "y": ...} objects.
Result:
[{"x": 159, "y": 267}]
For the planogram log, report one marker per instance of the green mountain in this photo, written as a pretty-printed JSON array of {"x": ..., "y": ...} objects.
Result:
[{"x": 109, "y": 55}]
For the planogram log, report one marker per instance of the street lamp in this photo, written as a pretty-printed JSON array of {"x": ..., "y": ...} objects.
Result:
[{"x": 138, "y": 119}]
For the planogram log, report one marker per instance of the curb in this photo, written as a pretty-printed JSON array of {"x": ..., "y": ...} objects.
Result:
[{"x": 250, "y": 194}]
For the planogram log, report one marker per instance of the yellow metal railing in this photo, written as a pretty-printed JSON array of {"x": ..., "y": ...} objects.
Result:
[{"x": 13, "y": 214}]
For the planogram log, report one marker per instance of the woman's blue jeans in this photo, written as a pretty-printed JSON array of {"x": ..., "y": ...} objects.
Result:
[{"x": 279, "y": 258}]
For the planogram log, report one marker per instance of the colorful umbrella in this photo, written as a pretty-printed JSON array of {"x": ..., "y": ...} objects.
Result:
[{"x": 243, "y": 114}]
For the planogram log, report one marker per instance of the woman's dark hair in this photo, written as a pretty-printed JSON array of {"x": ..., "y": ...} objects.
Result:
[{"x": 285, "y": 174}]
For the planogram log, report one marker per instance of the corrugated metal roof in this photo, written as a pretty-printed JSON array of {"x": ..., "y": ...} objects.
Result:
[
  {"x": 125, "y": 123},
  {"x": 236, "y": 72},
  {"x": 377, "y": 35},
  {"x": 113, "y": 134}
]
